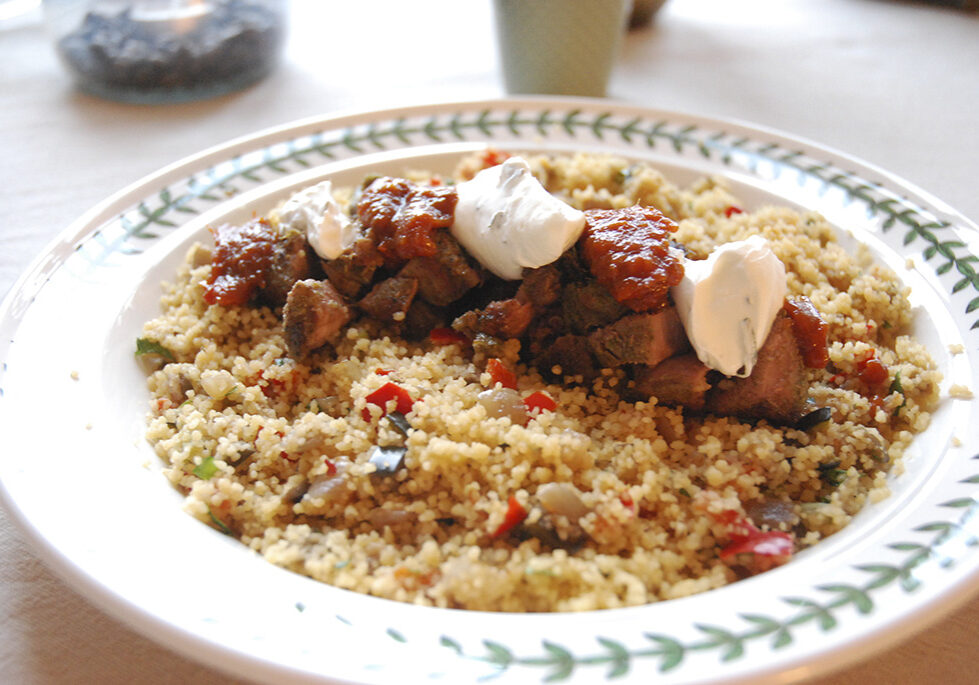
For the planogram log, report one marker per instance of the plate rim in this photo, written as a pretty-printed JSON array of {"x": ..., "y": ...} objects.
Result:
[{"x": 34, "y": 277}]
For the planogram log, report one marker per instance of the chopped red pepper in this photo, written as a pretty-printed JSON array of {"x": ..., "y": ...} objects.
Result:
[
  {"x": 539, "y": 400},
  {"x": 773, "y": 543},
  {"x": 382, "y": 372},
  {"x": 810, "y": 332},
  {"x": 381, "y": 396},
  {"x": 331, "y": 468},
  {"x": 628, "y": 503},
  {"x": 732, "y": 210},
  {"x": 515, "y": 513},
  {"x": 447, "y": 336},
  {"x": 746, "y": 538},
  {"x": 492, "y": 157},
  {"x": 501, "y": 374}
]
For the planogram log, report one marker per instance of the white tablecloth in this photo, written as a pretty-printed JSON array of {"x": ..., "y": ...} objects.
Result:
[{"x": 894, "y": 83}]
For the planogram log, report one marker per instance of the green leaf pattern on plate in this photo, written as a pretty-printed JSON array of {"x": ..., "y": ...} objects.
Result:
[{"x": 151, "y": 218}]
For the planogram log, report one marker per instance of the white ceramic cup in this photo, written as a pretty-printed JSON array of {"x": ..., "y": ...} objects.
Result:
[{"x": 559, "y": 47}]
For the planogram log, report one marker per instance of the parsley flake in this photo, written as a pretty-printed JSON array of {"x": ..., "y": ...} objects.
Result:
[
  {"x": 147, "y": 346},
  {"x": 206, "y": 469}
]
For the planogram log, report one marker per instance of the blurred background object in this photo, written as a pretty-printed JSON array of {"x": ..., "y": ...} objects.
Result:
[
  {"x": 557, "y": 47},
  {"x": 155, "y": 51},
  {"x": 13, "y": 8},
  {"x": 643, "y": 11}
]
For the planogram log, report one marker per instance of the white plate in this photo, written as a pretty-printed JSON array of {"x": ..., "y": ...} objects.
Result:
[{"x": 79, "y": 478}]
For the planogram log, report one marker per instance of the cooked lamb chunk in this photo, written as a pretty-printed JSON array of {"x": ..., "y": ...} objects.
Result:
[
  {"x": 313, "y": 316},
  {"x": 540, "y": 287},
  {"x": 421, "y": 319},
  {"x": 589, "y": 305},
  {"x": 676, "y": 381},
  {"x": 776, "y": 389},
  {"x": 639, "y": 339},
  {"x": 353, "y": 270},
  {"x": 569, "y": 352},
  {"x": 501, "y": 319},
  {"x": 290, "y": 263},
  {"x": 444, "y": 277},
  {"x": 390, "y": 297}
]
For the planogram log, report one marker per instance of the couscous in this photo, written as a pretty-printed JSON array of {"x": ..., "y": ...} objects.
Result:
[{"x": 475, "y": 463}]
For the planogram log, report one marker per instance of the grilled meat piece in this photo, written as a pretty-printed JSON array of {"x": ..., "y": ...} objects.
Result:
[
  {"x": 639, "y": 339},
  {"x": 390, "y": 297},
  {"x": 588, "y": 305},
  {"x": 540, "y": 287},
  {"x": 777, "y": 388},
  {"x": 445, "y": 276},
  {"x": 353, "y": 270},
  {"x": 502, "y": 319},
  {"x": 313, "y": 316},
  {"x": 569, "y": 352},
  {"x": 291, "y": 261},
  {"x": 677, "y": 381}
]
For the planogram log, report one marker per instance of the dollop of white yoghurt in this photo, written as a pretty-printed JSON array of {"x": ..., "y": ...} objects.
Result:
[
  {"x": 508, "y": 221},
  {"x": 316, "y": 213},
  {"x": 727, "y": 303}
]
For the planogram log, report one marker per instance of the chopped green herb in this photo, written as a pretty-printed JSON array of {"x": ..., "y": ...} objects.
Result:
[
  {"x": 218, "y": 522},
  {"x": 206, "y": 469},
  {"x": 683, "y": 491},
  {"x": 340, "y": 564},
  {"x": 147, "y": 346},
  {"x": 896, "y": 387},
  {"x": 280, "y": 361},
  {"x": 539, "y": 572},
  {"x": 227, "y": 394},
  {"x": 832, "y": 474}
]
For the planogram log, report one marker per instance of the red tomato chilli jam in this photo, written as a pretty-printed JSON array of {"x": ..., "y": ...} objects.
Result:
[
  {"x": 628, "y": 251},
  {"x": 403, "y": 216},
  {"x": 810, "y": 331},
  {"x": 242, "y": 256}
]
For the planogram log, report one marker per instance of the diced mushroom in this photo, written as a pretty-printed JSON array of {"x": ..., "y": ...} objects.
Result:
[
  {"x": 504, "y": 403},
  {"x": 218, "y": 384},
  {"x": 331, "y": 488},
  {"x": 379, "y": 518},
  {"x": 562, "y": 499}
]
